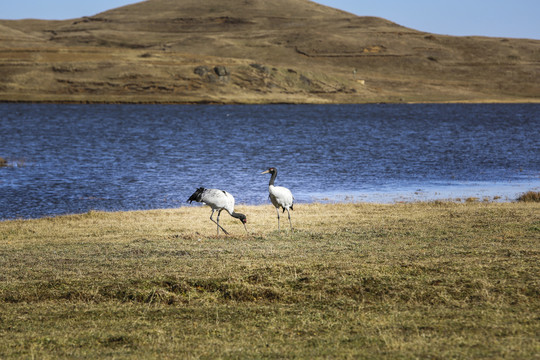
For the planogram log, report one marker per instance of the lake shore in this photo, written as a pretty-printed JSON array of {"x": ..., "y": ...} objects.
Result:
[
  {"x": 262, "y": 101},
  {"x": 433, "y": 279}
]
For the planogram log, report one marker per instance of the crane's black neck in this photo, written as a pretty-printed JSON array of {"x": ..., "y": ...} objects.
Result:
[
  {"x": 237, "y": 215},
  {"x": 274, "y": 174}
]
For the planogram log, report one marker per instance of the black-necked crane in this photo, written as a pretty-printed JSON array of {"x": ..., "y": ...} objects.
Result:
[
  {"x": 218, "y": 200},
  {"x": 279, "y": 196}
]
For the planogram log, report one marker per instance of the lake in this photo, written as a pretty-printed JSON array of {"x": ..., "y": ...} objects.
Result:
[{"x": 75, "y": 158}]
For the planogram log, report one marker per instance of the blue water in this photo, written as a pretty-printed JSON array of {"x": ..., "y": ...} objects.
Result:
[{"x": 75, "y": 158}]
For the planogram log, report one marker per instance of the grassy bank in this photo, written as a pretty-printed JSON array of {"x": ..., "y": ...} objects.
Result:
[{"x": 426, "y": 280}]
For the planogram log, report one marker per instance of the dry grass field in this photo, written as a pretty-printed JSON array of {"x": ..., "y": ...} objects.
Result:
[{"x": 422, "y": 280}]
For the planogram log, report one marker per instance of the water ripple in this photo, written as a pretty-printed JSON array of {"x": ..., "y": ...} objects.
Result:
[{"x": 74, "y": 158}]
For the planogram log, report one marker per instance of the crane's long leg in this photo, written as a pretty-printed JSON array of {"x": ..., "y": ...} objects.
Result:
[
  {"x": 219, "y": 226},
  {"x": 290, "y": 223},
  {"x": 212, "y": 214},
  {"x": 277, "y": 210},
  {"x": 217, "y": 223}
]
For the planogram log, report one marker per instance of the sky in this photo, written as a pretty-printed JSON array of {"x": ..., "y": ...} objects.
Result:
[{"x": 499, "y": 18}]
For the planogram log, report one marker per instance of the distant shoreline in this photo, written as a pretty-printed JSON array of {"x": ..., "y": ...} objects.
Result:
[{"x": 151, "y": 102}]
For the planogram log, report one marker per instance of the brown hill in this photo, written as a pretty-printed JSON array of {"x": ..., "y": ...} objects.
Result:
[{"x": 255, "y": 51}]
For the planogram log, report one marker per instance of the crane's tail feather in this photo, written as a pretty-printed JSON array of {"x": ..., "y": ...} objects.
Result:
[
  {"x": 196, "y": 196},
  {"x": 291, "y": 207}
]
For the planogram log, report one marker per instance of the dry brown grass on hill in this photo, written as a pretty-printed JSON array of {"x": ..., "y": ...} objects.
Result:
[{"x": 147, "y": 52}]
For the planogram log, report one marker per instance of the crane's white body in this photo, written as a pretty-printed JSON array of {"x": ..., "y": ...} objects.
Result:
[
  {"x": 218, "y": 200},
  {"x": 280, "y": 196}
]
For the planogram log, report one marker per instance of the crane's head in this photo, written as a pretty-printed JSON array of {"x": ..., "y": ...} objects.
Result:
[
  {"x": 243, "y": 218},
  {"x": 240, "y": 217},
  {"x": 269, "y": 171}
]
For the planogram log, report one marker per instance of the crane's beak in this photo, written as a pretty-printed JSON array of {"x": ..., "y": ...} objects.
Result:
[
  {"x": 245, "y": 227},
  {"x": 265, "y": 172}
]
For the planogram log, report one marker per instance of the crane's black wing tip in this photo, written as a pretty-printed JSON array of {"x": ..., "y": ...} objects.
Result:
[{"x": 196, "y": 196}]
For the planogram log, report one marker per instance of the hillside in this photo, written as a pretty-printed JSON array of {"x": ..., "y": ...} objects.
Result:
[{"x": 255, "y": 51}]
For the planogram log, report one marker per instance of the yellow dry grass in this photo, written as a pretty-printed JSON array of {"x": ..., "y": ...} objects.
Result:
[{"x": 422, "y": 280}]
